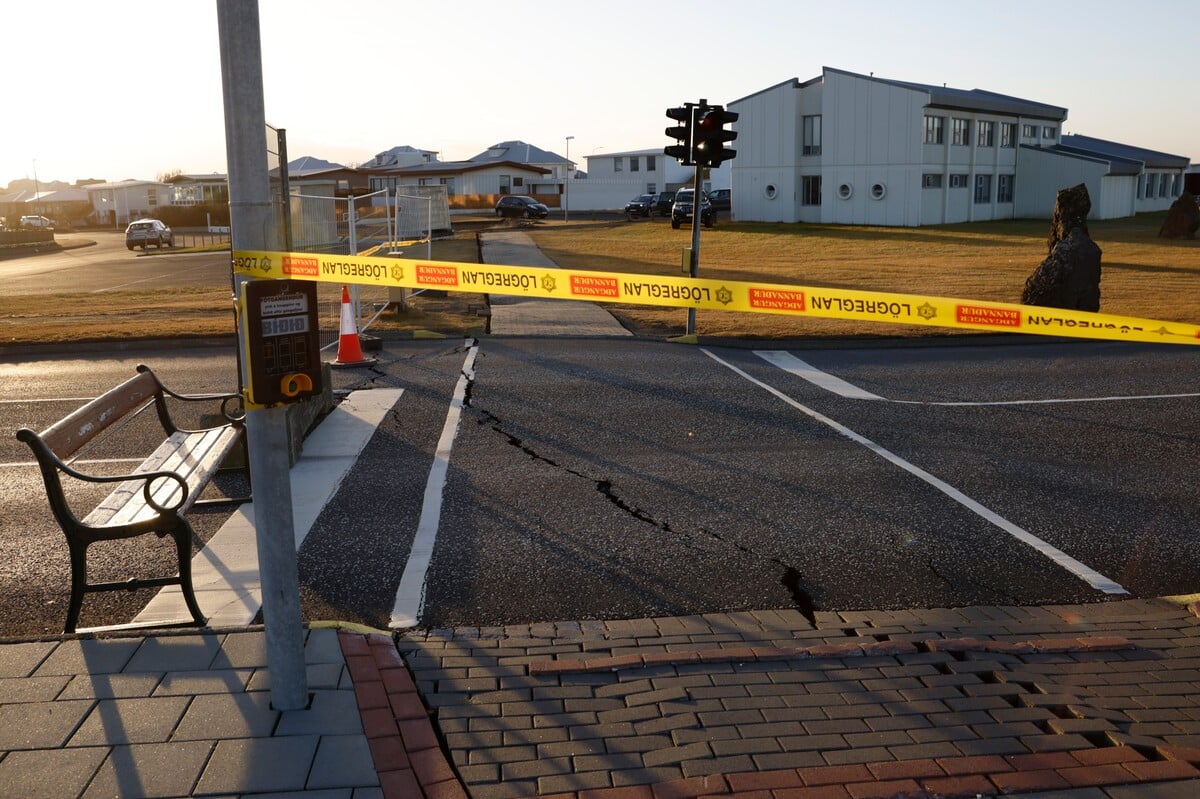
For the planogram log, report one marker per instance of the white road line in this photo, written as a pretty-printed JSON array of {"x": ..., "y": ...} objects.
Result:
[
  {"x": 1080, "y": 570},
  {"x": 835, "y": 385},
  {"x": 410, "y": 595},
  {"x": 225, "y": 572},
  {"x": 793, "y": 365}
]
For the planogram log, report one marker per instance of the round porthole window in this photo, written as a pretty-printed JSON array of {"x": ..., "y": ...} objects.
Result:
[
  {"x": 769, "y": 191},
  {"x": 845, "y": 191},
  {"x": 878, "y": 191}
]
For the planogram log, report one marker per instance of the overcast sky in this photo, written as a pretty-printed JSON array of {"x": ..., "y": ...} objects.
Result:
[{"x": 132, "y": 88}]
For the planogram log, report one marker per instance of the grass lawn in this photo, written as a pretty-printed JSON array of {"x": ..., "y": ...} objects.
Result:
[{"x": 1142, "y": 275}]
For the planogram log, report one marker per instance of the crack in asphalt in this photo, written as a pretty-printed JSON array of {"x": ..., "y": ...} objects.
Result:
[{"x": 791, "y": 579}]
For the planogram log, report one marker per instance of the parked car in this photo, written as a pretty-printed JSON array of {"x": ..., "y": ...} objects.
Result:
[
  {"x": 639, "y": 206},
  {"x": 144, "y": 232},
  {"x": 518, "y": 206},
  {"x": 40, "y": 222},
  {"x": 721, "y": 199},
  {"x": 681, "y": 211},
  {"x": 662, "y": 203}
]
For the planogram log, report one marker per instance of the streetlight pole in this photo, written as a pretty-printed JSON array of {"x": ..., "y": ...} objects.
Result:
[
  {"x": 567, "y": 184},
  {"x": 37, "y": 189}
]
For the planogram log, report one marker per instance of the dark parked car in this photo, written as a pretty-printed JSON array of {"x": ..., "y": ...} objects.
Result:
[
  {"x": 639, "y": 206},
  {"x": 144, "y": 232},
  {"x": 721, "y": 199},
  {"x": 518, "y": 206},
  {"x": 681, "y": 211},
  {"x": 662, "y": 203}
]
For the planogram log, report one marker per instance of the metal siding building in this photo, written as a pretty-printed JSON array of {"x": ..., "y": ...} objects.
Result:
[{"x": 874, "y": 161}]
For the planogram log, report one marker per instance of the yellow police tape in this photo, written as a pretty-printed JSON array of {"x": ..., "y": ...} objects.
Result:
[{"x": 719, "y": 295}]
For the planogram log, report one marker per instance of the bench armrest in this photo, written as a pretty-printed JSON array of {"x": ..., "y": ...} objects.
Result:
[
  {"x": 48, "y": 461},
  {"x": 232, "y": 405}
]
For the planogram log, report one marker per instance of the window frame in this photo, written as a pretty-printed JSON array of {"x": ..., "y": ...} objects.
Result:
[
  {"x": 935, "y": 129},
  {"x": 983, "y": 188},
  {"x": 1005, "y": 188},
  {"x": 960, "y": 132},
  {"x": 810, "y": 134},
  {"x": 985, "y": 133},
  {"x": 931, "y": 180},
  {"x": 810, "y": 190}
]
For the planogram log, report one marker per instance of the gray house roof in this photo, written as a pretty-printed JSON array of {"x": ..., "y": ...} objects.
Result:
[
  {"x": 1121, "y": 153},
  {"x": 519, "y": 152},
  {"x": 452, "y": 168}
]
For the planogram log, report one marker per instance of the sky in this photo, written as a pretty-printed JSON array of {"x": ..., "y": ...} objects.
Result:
[{"x": 132, "y": 88}]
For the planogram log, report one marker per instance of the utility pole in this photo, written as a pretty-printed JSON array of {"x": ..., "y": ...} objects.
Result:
[{"x": 252, "y": 227}]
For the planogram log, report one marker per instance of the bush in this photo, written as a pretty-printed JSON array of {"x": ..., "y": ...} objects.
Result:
[{"x": 194, "y": 215}]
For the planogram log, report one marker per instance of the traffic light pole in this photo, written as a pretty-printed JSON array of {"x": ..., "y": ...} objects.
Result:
[{"x": 697, "y": 194}]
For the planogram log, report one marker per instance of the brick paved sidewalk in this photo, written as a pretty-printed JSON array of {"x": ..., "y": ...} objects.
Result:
[{"x": 1091, "y": 701}]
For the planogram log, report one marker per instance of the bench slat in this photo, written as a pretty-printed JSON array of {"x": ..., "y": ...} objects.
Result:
[
  {"x": 65, "y": 437},
  {"x": 193, "y": 456}
]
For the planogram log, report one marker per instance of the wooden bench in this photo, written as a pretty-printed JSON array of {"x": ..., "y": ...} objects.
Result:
[{"x": 150, "y": 499}]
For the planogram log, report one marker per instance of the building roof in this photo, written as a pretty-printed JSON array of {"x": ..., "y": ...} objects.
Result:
[
  {"x": 1113, "y": 151},
  {"x": 518, "y": 152},
  {"x": 123, "y": 184},
  {"x": 452, "y": 168},
  {"x": 307, "y": 165},
  {"x": 945, "y": 97},
  {"x": 392, "y": 156},
  {"x": 209, "y": 177},
  {"x": 972, "y": 99},
  {"x": 622, "y": 153}
]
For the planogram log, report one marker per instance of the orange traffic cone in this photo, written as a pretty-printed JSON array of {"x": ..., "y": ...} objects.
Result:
[{"x": 349, "y": 348}]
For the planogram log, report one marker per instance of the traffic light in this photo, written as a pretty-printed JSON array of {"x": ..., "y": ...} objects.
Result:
[
  {"x": 710, "y": 136},
  {"x": 684, "y": 133}
]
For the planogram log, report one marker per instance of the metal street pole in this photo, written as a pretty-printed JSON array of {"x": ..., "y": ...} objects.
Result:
[
  {"x": 567, "y": 183},
  {"x": 696, "y": 195},
  {"x": 253, "y": 227}
]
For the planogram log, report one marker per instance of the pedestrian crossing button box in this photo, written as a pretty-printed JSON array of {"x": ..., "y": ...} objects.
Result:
[{"x": 283, "y": 353}]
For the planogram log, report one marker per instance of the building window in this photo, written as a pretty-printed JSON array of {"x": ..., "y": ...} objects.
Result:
[
  {"x": 1162, "y": 184},
  {"x": 1008, "y": 134},
  {"x": 935, "y": 130},
  {"x": 518, "y": 181},
  {"x": 961, "y": 132},
  {"x": 987, "y": 134},
  {"x": 1029, "y": 131},
  {"x": 505, "y": 184},
  {"x": 845, "y": 191},
  {"x": 1175, "y": 180},
  {"x": 650, "y": 162},
  {"x": 1004, "y": 189},
  {"x": 618, "y": 165},
  {"x": 634, "y": 163},
  {"x": 811, "y": 190},
  {"x": 931, "y": 180},
  {"x": 1141, "y": 179},
  {"x": 1048, "y": 132},
  {"x": 152, "y": 197},
  {"x": 812, "y": 135},
  {"x": 983, "y": 189},
  {"x": 652, "y": 188},
  {"x": 878, "y": 191},
  {"x": 958, "y": 181}
]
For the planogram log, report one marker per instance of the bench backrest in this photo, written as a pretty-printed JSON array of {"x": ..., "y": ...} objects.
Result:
[{"x": 66, "y": 436}]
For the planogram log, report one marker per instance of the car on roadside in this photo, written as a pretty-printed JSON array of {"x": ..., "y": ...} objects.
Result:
[
  {"x": 639, "y": 206},
  {"x": 144, "y": 232},
  {"x": 662, "y": 203},
  {"x": 721, "y": 199},
  {"x": 682, "y": 209},
  {"x": 518, "y": 206},
  {"x": 36, "y": 223}
]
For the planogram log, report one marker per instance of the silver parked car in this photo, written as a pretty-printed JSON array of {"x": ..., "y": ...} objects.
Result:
[{"x": 144, "y": 232}]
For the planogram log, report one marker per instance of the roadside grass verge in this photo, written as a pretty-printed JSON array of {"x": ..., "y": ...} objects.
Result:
[{"x": 1142, "y": 275}]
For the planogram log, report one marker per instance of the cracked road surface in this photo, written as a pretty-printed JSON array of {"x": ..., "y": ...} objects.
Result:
[{"x": 605, "y": 479}]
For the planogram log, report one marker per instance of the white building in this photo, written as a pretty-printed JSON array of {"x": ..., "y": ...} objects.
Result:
[
  {"x": 845, "y": 148},
  {"x": 121, "y": 202},
  {"x": 614, "y": 179}
]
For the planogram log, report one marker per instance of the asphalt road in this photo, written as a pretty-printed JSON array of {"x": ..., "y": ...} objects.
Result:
[
  {"x": 108, "y": 265},
  {"x": 613, "y": 479}
]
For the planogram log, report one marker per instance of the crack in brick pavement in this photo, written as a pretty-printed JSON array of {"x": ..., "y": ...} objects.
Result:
[{"x": 921, "y": 703}]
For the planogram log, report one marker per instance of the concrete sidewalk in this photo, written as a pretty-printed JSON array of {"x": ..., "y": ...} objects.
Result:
[{"x": 528, "y": 316}]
